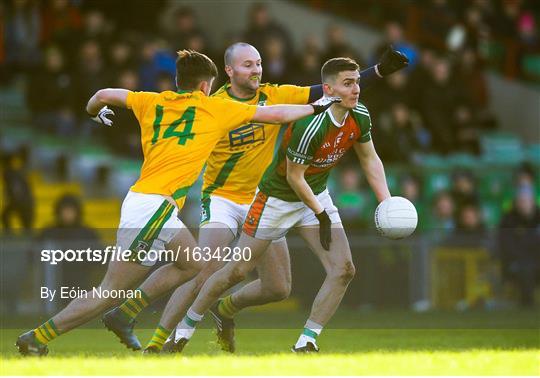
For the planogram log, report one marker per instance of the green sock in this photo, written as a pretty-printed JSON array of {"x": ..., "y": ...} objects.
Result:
[
  {"x": 159, "y": 337},
  {"x": 131, "y": 307},
  {"x": 227, "y": 308},
  {"x": 46, "y": 332}
]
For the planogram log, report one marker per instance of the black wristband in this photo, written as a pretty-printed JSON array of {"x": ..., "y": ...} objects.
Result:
[{"x": 322, "y": 216}]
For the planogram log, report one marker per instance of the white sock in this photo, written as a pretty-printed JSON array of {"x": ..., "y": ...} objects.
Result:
[
  {"x": 186, "y": 327},
  {"x": 309, "y": 334}
]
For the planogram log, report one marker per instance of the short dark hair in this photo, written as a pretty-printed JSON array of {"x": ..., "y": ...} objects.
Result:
[
  {"x": 334, "y": 66},
  {"x": 192, "y": 67}
]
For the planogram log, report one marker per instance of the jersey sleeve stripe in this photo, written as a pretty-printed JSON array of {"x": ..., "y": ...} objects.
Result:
[
  {"x": 360, "y": 111},
  {"x": 303, "y": 148},
  {"x": 307, "y": 130},
  {"x": 366, "y": 114}
]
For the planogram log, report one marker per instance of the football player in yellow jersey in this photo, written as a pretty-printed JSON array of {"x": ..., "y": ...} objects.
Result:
[
  {"x": 230, "y": 180},
  {"x": 178, "y": 132}
]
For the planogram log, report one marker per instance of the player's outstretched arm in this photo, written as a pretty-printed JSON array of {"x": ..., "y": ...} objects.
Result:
[
  {"x": 288, "y": 113},
  {"x": 104, "y": 97},
  {"x": 373, "y": 169},
  {"x": 391, "y": 61},
  {"x": 297, "y": 181}
]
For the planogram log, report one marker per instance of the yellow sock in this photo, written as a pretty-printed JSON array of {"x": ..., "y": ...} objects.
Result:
[
  {"x": 133, "y": 306},
  {"x": 159, "y": 337},
  {"x": 226, "y": 307},
  {"x": 46, "y": 332}
]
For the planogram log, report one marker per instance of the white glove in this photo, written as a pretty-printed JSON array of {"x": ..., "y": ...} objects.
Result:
[
  {"x": 102, "y": 115},
  {"x": 323, "y": 101}
]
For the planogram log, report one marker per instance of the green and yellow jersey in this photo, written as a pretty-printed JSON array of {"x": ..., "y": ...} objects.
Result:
[
  {"x": 320, "y": 142},
  {"x": 178, "y": 132},
  {"x": 238, "y": 161}
]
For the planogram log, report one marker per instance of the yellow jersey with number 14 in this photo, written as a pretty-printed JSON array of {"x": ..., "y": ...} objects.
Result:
[
  {"x": 178, "y": 132},
  {"x": 240, "y": 158}
]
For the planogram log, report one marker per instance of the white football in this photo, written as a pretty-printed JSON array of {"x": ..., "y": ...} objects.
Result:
[{"x": 396, "y": 218}]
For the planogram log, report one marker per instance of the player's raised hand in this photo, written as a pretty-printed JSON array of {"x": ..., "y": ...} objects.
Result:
[
  {"x": 324, "y": 103},
  {"x": 392, "y": 61},
  {"x": 325, "y": 229},
  {"x": 102, "y": 115}
]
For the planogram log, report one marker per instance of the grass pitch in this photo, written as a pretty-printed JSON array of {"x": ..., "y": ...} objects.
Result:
[{"x": 389, "y": 343}]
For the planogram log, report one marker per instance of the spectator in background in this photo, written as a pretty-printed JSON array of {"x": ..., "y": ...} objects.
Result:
[
  {"x": 400, "y": 135},
  {"x": 476, "y": 27},
  {"x": 18, "y": 199},
  {"x": 22, "y": 35},
  {"x": 508, "y": 17},
  {"x": 90, "y": 73},
  {"x": 276, "y": 64},
  {"x": 198, "y": 42},
  {"x": 307, "y": 64},
  {"x": 261, "y": 27},
  {"x": 157, "y": 58},
  {"x": 528, "y": 32},
  {"x": 519, "y": 238},
  {"x": 420, "y": 76},
  {"x": 184, "y": 27},
  {"x": 470, "y": 229},
  {"x": 394, "y": 36},
  {"x": 120, "y": 59},
  {"x": 96, "y": 27},
  {"x": 337, "y": 45},
  {"x": 441, "y": 218},
  {"x": 61, "y": 24},
  {"x": 312, "y": 45},
  {"x": 308, "y": 69},
  {"x": 529, "y": 54},
  {"x": 69, "y": 232},
  {"x": 438, "y": 18},
  {"x": 464, "y": 189},
  {"x": 438, "y": 106},
  {"x": 467, "y": 131},
  {"x": 410, "y": 188},
  {"x": 469, "y": 221},
  {"x": 470, "y": 73},
  {"x": 47, "y": 95},
  {"x": 393, "y": 89},
  {"x": 524, "y": 176}
]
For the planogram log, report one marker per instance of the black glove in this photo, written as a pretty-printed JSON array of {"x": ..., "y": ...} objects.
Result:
[
  {"x": 392, "y": 61},
  {"x": 325, "y": 233},
  {"x": 324, "y": 103}
]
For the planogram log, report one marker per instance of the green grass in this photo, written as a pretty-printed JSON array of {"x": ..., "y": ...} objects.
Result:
[{"x": 466, "y": 346}]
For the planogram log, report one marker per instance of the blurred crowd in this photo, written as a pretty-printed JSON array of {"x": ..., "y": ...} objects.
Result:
[
  {"x": 437, "y": 105},
  {"x": 67, "y": 50}
]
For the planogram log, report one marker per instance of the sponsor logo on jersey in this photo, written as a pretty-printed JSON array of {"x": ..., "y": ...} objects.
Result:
[
  {"x": 247, "y": 135},
  {"x": 338, "y": 139},
  {"x": 330, "y": 159}
]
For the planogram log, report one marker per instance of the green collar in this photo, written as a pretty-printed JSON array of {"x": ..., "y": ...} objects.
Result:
[
  {"x": 227, "y": 88},
  {"x": 182, "y": 91}
]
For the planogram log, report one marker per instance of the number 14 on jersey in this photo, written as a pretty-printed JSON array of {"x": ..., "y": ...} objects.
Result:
[{"x": 183, "y": 135}]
